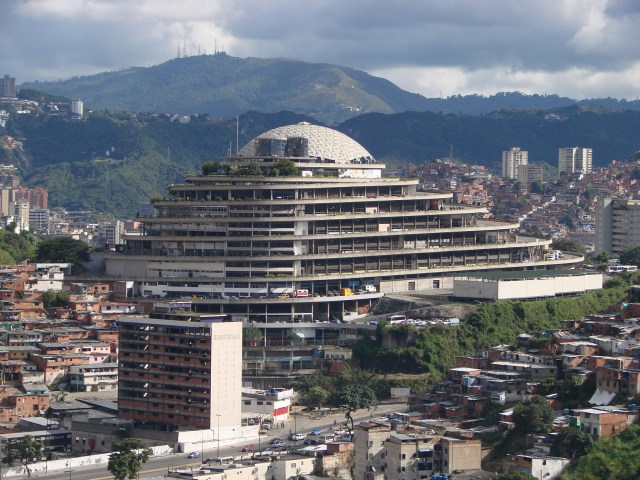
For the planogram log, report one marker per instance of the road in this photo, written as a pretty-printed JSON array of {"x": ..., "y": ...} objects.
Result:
[{"x": 158, "y": 466}]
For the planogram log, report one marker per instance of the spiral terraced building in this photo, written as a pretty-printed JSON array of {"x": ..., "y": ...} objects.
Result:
[{"x": 259, "y": 246}]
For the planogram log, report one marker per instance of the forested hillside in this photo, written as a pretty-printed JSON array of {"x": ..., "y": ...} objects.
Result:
[
  {"x": 418, "y": 137},
  {"x": 112, "y": 161}
]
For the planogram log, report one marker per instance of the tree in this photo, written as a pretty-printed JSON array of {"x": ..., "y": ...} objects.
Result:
[
  {"x": 285, "y": 168},
  {"x": 316, "y": 396},
  {"x": 354, "y": 397},
  {"x": 534, "y": 415},
  {"x": 55, "y": 298},
  {"x": 127, "y": 458},
  {"x": 251, "y": 335},
  {"x": 548, "y": 385},
  {"x": 513, "y": 476},
  {"x": 567, "y": 245},
  {"x": 210, "y": 168},
  {"x": 23, "y": 451},
  {"x": 630, "y": 256},
  {"x": 64, "y": 250},
  {"x": 251, "y": 169},
  {"x": 571, "y": 443}
]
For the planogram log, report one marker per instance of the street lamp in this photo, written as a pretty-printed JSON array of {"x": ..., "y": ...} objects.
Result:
[
  {"x": 218, "y": 451},
  {"x": 202, "y": 439}
]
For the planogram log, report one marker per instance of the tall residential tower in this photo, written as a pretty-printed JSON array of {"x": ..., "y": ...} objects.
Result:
[{"x": 574, "y": 160}]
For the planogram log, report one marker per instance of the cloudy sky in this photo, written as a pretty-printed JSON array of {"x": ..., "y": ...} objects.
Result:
[{"x": 574, "y": 48}]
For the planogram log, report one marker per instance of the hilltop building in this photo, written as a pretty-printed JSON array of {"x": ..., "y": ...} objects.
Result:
[
  {"x": 617, "y": 224},
  {"x": 324, "y": 242},
  {"x": 512, "y": 160},
  {"x": 575, "y": 160},
  {"x": 8, "y": 87},
  {"x": 77, "y": 107}
]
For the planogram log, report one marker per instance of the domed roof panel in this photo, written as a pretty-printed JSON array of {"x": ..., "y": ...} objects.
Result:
[{"x": 324, "y": 142}]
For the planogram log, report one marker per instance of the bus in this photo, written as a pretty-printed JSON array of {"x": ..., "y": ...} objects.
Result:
[
  {"x": 393, "y": 319},
  {"x": 611, "y": 269}
]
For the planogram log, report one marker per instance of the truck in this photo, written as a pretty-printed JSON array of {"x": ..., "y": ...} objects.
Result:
[
  {"x": 369, "y": 288},
  {"x": 300, "y": 293},
  {"x": 345, "y": 292}
]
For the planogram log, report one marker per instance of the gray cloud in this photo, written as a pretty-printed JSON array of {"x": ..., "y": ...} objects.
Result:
[{"x": 569, "y": 47}]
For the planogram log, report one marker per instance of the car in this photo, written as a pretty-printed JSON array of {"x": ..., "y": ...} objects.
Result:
[
  {"x": 296, "y": 437},
  {"x": 193, "y": 455},
  {"x": 310, "y": 441},
  {"x": 277, "y": 442},
  {"x": 284, "y": 295},
  {"x": 316, "y": 431},
  {"x": 266, "y": 425},
  {"x": 248, "y": 448}
]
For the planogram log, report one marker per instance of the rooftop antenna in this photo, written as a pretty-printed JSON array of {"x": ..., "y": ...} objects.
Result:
[
  {"x": 198, "y": 49},
  {"x": 215, "y": 46},
  {"x": 178, "y": 50}
]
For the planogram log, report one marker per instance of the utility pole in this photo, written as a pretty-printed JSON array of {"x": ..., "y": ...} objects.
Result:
[{"x": 218, "y": 449}]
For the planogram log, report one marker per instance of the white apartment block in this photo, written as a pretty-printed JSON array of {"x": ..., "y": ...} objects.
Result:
[
  {"x": 512, "y": 160},
  {"x": 92, "y": 378},
  {"x": 617, "y": 224},
  {"x": 575, "y": 160},
  {"x": 77, "y": 107}
]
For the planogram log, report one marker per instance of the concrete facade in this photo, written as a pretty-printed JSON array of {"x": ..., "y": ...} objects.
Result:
[
  {"x": 180, "y": 372},
  {"x": 533, "y": 285},
  {"x": 617, "y": 224}
]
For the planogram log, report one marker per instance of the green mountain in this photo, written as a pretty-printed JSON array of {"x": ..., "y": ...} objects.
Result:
[
  {"x": 226, "y": 86},
  {"x": 420, "y": 136},
  {"x": 111, "y": 162}
]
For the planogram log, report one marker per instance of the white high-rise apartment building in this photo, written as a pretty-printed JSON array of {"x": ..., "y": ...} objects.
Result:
[
  {"x": 575, "y": 159},
  {"x": 617, "y": 224},
  {"x": 512, "y": 160},
  {"x": 77, "y": 107}
]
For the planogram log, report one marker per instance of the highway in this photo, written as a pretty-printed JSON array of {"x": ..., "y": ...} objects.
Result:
[{"x": 157, "y": 467}]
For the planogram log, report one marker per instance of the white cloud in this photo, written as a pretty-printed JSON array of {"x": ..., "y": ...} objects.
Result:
[{"x": 448, "y": 46}]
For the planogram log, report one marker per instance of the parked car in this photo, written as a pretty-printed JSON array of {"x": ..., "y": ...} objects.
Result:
[
  {"x": 266, "y": 425},
  {"x": 276, "y": 442},
  {"x": 316, "y": 431},
  {"x": 296, "y": 437},
  {"x": 193, "y": 455},
  {"x": 248, "y": 448},
  {"x": 310, "y": 441}
]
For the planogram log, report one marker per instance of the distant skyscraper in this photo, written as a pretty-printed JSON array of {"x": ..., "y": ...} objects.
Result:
[
  {"x": 8, "y": 87},
  {"x": 77, "y": 107},
  {"x": 574, "y": 160},
  {"x": 511, "y": 161}
]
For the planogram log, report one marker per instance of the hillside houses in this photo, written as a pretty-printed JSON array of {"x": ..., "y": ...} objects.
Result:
[{"x": 44, "y": 349}]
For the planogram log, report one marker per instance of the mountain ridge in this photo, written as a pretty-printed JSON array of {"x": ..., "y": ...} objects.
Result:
[{"x": 226, "y": 86}]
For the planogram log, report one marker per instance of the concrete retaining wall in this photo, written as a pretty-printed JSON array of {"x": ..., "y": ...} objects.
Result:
[{"x": 73, "y": 463}]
